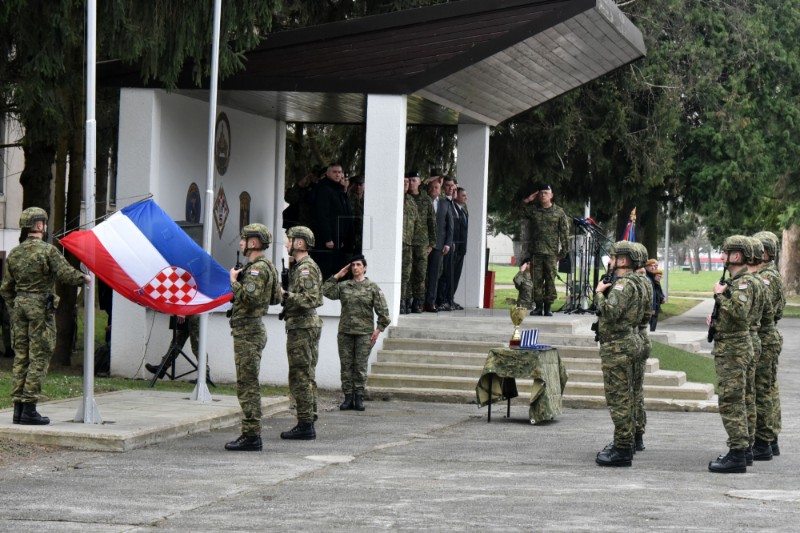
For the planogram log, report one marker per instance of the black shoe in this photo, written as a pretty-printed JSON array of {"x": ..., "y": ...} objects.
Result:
[
  {"x": 154, "y": 368},
  {"x": 762, "y": 451},
  {"x": 347, "y": 404},
  {"x": 776, "y": 451},
  {"x": 748, "y": 456},
  {"x": 614, "y": 456},
  {"x": 359, "y": 403},
  {"x": 732, "y": 463},
  {"x": 456, "y": 307},
  {"x": 17, "y": 412},
  {"x": 403, "y": 308},
  {"x": 537, "y": 311},
  {"x": 302, "y": 431},
  {"x": 30, "y": 417},
  {"x": 245, "y": 443},
  {"x": 430, "y": 308},
  {"x": 416, "y": 306},
  {"x": 639, "y": 442},
  {"x": 547, "y": 311}
]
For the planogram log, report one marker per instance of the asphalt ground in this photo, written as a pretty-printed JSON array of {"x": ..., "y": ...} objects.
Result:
[{"x": 411, "y": 466}]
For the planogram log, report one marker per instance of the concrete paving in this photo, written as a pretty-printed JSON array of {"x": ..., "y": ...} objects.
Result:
[{"x": 410, "y": 466}]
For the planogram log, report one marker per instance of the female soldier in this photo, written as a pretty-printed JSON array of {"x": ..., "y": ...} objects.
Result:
[{"x": 361, "y": 301}]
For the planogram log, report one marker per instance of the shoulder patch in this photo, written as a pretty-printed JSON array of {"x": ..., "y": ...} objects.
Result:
[
  {"x": 304, "y": 272},
  {"x": 254, "y": 272},
  {"x": 250, "y": 287},
  {"x": 766, "y": 281},
  {"x": 742, "y": 297},
  {"x": 619, "y": 287},
  {"x": 743, "y": 286}
]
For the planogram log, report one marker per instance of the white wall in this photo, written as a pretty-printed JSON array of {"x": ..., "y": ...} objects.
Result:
[
  {"x": 163, "y": 140},
  {"x": 12, "y": 161}
]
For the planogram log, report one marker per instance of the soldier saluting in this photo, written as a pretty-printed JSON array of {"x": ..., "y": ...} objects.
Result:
[{"x": 33, "y": 268}]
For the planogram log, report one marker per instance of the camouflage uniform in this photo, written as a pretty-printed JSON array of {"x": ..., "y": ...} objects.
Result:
[
  {"x": 303, "y": 329},
  {"x": 356, "y": 325},
  {"x": 33, "y": 268},
  {"x": 640, "y": 362},
  {"x": 524, "y": 284},
  {"x": 762, "y": 375},
  {"x": 256, "y": 288},
  {"x": 424, "y": 238},
  {"x": 410, "y": 222},
  {"x": 549, "y": 243},
  {"x": 733, "y": 349},
  {"x": 620, "y": 313},
  {"x": 756, "y": 314}
]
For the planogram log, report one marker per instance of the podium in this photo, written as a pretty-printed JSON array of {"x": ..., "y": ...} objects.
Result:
[{"x": 544, "y": 367}]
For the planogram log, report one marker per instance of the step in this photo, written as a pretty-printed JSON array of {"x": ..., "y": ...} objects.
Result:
[
  {"x": 662, "y": 378},
  {"x": 426, "y": 345},
  {"x": 429, "y": 358},
  {"x": 652, "y": 365},
  {"x": 500, "y": 338},
  {"x": 422, "y": 369},
  {"x": 490, "y": 324},
  {"x": 687, "y": 391}
]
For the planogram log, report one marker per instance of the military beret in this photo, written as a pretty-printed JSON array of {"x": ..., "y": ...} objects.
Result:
[
  {"x": 359, "y": 257},
  {"x": 545, "y": 187},
  {"x": 411, "y": 174}
]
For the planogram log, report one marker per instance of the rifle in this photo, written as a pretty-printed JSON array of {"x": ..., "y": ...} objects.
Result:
[
  {"x": 712, "y": 329},
  {"x": 284, "y": 286},
  {"x": 608, "y": 278},
  {"x": 237, "y": 266}
]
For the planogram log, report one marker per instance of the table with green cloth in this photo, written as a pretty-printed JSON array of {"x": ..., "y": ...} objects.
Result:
[{"x": 544, "y": 367}]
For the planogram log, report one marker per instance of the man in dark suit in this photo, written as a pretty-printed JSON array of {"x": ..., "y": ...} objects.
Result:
[
  {"x": 460, "y": 241},
  {"x": 444, "y": 238},
  {"x": 333, "y": 222},
  {"x": 444, "y": 291}
]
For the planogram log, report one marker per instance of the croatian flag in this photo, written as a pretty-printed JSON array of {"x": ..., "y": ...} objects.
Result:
[
  {"x": 630, "y": 229},
  {"x": 141, "y": 253}
]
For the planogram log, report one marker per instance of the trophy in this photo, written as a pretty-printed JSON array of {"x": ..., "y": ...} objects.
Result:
[{"x": 517, "y": 315}]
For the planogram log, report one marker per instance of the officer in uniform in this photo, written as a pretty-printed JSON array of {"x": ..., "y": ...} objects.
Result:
[
  {"x": 523, "y": 282},
  {"x": 768, "y": 426},
  {"x": 424, "y": 241},
  {"x": 733, "y": 350},
  {"x": 640, "y": 362},
  {"x": 303, "y": 329},
  {"x": 620, "y": 309},
  {"x": 361, "y": 299},
  {"x": 550, "y": 244},
  {"x": 33, "y": 268},
  {"x": 410, "y": 221},
  {"x": 255, "y": 287}
]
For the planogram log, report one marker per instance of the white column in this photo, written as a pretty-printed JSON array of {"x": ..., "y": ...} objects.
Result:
[
  {"x": 383, "y": 196},
  {"x": 472, "y": 171},
  {"x": 277, "y": 251}
]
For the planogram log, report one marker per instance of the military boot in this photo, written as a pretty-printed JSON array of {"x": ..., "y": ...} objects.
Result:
[
  {"x": 17, "y": 411},
  {"x": 762, "y": 451},
  {"x": 302, "y": 431},
  {"x": 732, "y": 463},
  {"x": 614, "y": 456},
  {"x": 537, "y": 311},
  {"x": 416, "y": 306},
  {"x": 748, "y": 456},
  {"x": 547, "y": 311},
  {"x": 347, "y": 404},
  {"x": 359, "y": 403},
  {"x": 776, "y": 451},
  {"x": 245, "y": 443},
  {"x": 30, "y": 417},
  {"x": 403, "y": 308},
  {"x": 639, "y": 442}
]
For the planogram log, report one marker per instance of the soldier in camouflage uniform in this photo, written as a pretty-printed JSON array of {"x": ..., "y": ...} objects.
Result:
[
  {"x": 733, "y": 350},
  {"x": 361, "y": 301},
  {"x": 620, "y": 309},
  {"x": 765, "y": 445},
  {"x": 639, "y": 363},
  {"x": 410, "y": 221},
  {"x": 33, "y": 268},
  {"x": 549, "y": 244},
  {"x": 424, "y": 241},
  {"x": 255, "y": 287},
  {"x": 303, "y": 330},
  {"x": 524, "y": 284}
]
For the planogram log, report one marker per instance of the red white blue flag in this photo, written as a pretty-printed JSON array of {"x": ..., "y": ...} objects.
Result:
[
  {"x": 141, "y": 253},
  {"x": 630, "y": 229}
]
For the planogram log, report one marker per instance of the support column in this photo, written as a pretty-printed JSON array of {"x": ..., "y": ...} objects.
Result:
[
  {"x": 472, "y": 171},
  {"x": 276, "y": 250},
  {"x": 384, "y": 163}
]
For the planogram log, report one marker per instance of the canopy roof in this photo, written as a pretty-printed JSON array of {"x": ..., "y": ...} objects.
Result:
[{"x": 480, "y": 61}]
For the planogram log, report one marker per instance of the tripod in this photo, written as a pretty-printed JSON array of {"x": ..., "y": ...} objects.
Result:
[{"x": 175, "y": 350}]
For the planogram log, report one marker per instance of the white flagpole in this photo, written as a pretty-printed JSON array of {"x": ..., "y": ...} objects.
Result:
[
  {"x": 201, "y": 392},
  {"x": 88, "y": 412}
]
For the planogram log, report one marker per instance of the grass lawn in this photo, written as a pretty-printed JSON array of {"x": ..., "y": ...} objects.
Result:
[{"x": 698, "y": 368}]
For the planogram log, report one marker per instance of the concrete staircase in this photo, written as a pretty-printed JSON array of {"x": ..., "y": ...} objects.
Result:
[{"x": 440, "y": 358}]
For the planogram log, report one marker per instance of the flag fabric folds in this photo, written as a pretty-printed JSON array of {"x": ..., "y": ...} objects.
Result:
[
  {"x": 630, "y": 229},
  {"x": 141, "y": 253}
]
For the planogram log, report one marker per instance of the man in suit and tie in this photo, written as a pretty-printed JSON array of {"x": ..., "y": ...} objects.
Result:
[
  {"x": 444, "y": 238},
  {"x": 460, "y": 241},
  {"x": 444, "y": 291}
]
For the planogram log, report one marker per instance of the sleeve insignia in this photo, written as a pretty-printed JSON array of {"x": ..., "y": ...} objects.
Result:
[
  {"x": 619, "y": 287},
  {"x": 742, "y": 286},
  {"x": 305, "y": 272},
  {"x": 254, "y": 272},
  {"x": 250, "y": 287},
  {"x": 766, "y": 281},
  {"x": 743, "y": 297}
]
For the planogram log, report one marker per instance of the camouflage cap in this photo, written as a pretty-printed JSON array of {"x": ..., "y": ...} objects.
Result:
[
  {"x": 258, "y": 231},
  {"x": 757, "y": 256},
  {"x": 301, "y": 232},
  {"x": 770, "y": 242},
  {"x": 642, "y": 260},
  {"x": 30, "y": 215}
]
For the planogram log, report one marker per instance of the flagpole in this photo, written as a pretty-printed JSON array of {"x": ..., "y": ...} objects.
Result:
[
  {"x": 201, "y": 392},
  {"x": 87, "y": 411}
]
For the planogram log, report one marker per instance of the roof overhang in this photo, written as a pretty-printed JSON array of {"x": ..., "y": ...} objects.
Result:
[{"x": 480, "y": 61}]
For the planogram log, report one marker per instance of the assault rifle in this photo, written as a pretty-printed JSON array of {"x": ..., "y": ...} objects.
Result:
[
  {"x": 712, "y": 329},
  {"x": 237, "y": 266},
  {"x": 608, "y": 278},
  {"x": 284, "y": 286}
]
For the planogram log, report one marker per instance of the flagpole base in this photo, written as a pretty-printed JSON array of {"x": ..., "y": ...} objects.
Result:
[
  {"x": 88, "y": 413},
  {"x": 201, "y": 393}
]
